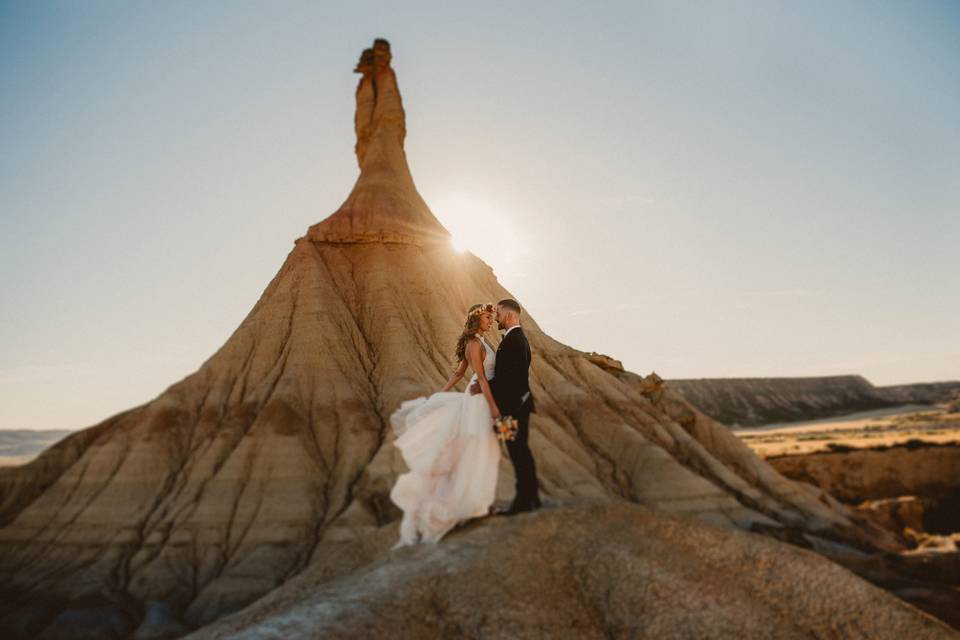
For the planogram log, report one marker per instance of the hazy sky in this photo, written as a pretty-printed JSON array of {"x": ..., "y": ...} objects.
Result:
[{"x": 701, "y": 189}]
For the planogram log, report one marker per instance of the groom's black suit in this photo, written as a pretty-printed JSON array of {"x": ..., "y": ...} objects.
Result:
[{"x": 511, "y": 392}]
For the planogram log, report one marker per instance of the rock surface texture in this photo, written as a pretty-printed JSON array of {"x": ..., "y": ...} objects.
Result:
[
  {"x": 555, "y": 575},
  {"x": 276, "y": 457}
]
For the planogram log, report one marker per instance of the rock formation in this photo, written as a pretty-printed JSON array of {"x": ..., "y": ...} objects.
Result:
[
  {"x": 275, "y": 455},
  {"x": 645, "y": 575},
  {"x": 756, "y": 401},
  {"x": 750, "y": 402},
  {"x": 922, "y": 392},
  {"x": 873, "y": 473}
]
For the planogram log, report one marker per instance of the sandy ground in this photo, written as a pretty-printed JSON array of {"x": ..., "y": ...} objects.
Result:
[{"x": 883, "y": 427}]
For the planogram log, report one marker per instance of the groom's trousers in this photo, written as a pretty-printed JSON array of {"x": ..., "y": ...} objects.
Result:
[{"x": 528, "y": 489}]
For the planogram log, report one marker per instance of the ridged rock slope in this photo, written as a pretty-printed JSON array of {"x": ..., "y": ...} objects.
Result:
[{"x": 277, "y": 452}]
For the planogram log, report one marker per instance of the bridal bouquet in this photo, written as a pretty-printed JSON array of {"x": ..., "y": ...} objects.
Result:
[{"x": 506, "y": 428}]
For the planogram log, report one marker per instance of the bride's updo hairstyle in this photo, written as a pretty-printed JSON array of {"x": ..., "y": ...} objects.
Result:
[{"x": 471, "y": 327}]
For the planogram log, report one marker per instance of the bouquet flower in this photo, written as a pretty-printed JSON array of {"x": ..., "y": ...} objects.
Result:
[{"x": 506, "y": 428}]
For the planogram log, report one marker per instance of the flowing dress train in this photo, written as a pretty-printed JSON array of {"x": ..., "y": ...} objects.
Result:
[{"x": 449, "y": 446}]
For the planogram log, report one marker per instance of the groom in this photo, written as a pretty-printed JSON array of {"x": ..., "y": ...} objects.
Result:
[{"x": 511, "y": 392}]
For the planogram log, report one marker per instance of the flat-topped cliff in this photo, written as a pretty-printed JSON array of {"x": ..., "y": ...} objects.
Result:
[
  {"x": 756, "y": 401},
  {"x": 749, "y": 402}
]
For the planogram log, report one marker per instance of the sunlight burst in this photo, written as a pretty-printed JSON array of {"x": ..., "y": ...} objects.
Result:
[
  {"x": 485, "y": 230},
  {"x": 457, "y": 245}
]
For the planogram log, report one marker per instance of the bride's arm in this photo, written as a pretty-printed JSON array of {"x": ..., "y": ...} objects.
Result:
[
  {"x": 474, "y": 351},
  {"x": 457, "y": 376}
]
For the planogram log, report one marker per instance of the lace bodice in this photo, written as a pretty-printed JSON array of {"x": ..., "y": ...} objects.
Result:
[{"x": 488, "y": 361}]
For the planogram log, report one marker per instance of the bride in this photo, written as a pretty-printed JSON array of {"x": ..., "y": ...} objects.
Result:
[{"x": 449, "y": 445}]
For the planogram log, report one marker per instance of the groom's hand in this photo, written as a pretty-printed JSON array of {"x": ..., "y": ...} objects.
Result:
[{"x": 475, "y": 388}]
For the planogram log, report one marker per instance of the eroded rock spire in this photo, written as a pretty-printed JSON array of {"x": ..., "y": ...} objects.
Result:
[
  {"x": 379, "y": 108},
  {"x": 384, "y": 205}
]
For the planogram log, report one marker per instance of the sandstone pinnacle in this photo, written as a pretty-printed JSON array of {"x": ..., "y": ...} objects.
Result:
[{"x": 384, "y": 205}]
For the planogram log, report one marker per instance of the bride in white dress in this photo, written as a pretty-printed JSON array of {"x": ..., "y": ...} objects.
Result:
[{"x": 448, "y": 443}]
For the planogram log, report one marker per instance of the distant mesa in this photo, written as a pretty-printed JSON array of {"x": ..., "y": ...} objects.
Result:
[
  {"x": 756, "y": 401},
  {"x": 18, "y": 446},
  {"x": 274, "y": 459}
]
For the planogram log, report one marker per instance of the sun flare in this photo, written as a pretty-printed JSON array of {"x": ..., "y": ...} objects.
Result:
[
  {"x": 485, "y": 230},
  {"x": 457, "y": 245}
]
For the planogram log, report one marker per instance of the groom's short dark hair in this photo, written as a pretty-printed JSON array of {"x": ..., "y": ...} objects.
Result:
[{"x": 511, "y": 304}]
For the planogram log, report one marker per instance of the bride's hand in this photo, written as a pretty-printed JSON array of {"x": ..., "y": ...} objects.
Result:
[{"x": 495, "y": 412}]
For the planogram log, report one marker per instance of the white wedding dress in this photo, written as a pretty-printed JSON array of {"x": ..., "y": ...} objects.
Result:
[{"x": 448, "y": 443}]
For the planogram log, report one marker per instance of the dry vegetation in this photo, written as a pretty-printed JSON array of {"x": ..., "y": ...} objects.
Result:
[{"x": 938, "y": 425}]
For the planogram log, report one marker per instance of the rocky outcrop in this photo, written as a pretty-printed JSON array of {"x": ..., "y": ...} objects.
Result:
[
  {"x": 384, "y": 207},
  {"x": 605, "y": 362},
  {"x": 922, "y": 392},
  {"x": 896, "y": 514},
  {"x": 756, "y": 401},
  {"x": 854, "y": 475},
  {"x": 911, "y": 488},
  {"x": 750, "y": 402},
  {"x": 276, "y": 454},
  {"x": 585, "y": 570}
]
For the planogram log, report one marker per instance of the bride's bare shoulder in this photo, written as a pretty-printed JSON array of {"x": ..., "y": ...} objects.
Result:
[{"x": 474, "y": 345}]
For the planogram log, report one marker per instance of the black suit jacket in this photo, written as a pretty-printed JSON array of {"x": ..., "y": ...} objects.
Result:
[{"x": 511, "y": 375}]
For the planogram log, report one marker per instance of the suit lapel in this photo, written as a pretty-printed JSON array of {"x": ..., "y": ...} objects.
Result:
[
  {"x": 519, "y": 329},
  {"x": 503, "y": 341}
]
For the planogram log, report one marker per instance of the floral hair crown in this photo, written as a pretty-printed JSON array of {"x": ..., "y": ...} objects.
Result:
[{"x": 482, "y": 309}]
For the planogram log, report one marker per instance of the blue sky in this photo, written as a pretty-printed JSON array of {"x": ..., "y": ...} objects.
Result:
[{"x": 701, "y": 189}]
